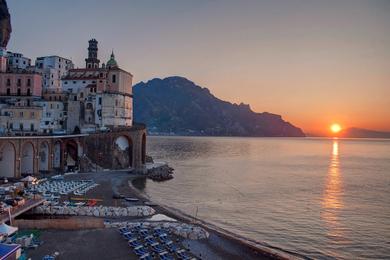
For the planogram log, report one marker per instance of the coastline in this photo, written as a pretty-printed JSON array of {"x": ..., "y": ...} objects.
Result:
[{"x": 258, "y": 247}]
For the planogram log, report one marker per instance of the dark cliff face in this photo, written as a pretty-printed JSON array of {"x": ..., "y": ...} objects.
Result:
[
  {"x": 5, "y": 24},
  {"x": 177, "y": 105}
]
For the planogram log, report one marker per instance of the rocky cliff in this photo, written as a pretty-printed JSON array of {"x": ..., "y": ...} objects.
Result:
[
  {"x": 5, "y": 24},
  {"x": 176, "y": 105}
]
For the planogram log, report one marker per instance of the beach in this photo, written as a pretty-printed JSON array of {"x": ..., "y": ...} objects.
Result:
[{"x": 78, "y": 237}]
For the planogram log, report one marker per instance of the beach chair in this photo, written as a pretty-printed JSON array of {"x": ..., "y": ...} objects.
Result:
[
  {"x": 129, "y": 236},
  {"x": 134, "y": 243},
  {"x": 144, "y": 232},
  {"x": 146, "y": 256},
  {"x": 156, "y": 247},
  {"x": 172, "y": 247},
  {"x": 123, "y": 230},
  {"x": 140, "y": 250},
  {"x": 163, "y": 237},
  {"x": 150, "y": 240},
  {"x": 165, "y": 256},
  {"x": 182, "y": 254}
]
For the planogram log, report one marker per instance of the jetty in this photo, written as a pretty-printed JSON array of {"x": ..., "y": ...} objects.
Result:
[{"x": 17, "y": 210}]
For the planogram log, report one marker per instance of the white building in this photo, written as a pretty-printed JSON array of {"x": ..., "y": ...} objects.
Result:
[
  {"x": 17, "y": 61},
  {"x": 53, "y": 68},
  {"x": 53, "y": 116}
]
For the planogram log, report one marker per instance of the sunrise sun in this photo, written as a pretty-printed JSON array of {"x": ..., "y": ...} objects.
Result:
[{"x": 335, "y": 128}]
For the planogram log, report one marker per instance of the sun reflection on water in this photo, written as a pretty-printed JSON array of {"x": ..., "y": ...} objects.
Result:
[{"x": 332, "y": 202}]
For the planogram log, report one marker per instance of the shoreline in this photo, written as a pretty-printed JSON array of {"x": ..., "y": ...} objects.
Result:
[{"x": 260, "y": 247}]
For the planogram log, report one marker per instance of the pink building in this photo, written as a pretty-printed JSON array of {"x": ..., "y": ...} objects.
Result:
[{"x": 20, "y": 84}]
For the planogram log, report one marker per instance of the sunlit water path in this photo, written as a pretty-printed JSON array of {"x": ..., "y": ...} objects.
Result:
[{"x": 324, "y": 198}]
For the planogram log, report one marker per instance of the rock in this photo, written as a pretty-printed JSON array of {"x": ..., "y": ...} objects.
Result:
[
  {"x": 5, "y": 24},
  {"x": 96, "y": 213}
]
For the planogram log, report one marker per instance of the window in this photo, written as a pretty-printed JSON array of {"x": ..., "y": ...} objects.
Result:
[
  {"x": 19, "y": 82},
  {"x": 100, "y": 100},
  {"x": 32, "y": 127},
  {"x": 19, "y": 92},
  {"x": 8, "y": 82},
  {"x": 8, "y": 91},
  {"x": 75, "y": 98},
  {"x": 11, "y": 125},
  {"x": 114, "y": 78},
  {"x": 32, "y": 114},
  {"x": 28, "y": 92},
  {"x": 58, "y": 106},
  {"x": 66, "y": 82},
  {"x": 51, "y": 106},
  {"x": 21, "y": 114},
  {"x": 81, "y": 95},
  {"x": 50, "y": 98},
  {"x": 21, "y": 127},
  {"x": 28, "y": 82}
]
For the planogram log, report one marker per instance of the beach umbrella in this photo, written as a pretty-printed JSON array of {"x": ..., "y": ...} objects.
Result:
[
  {"x": 7, "y": 230},
  {"x": 28, "y": 179}
]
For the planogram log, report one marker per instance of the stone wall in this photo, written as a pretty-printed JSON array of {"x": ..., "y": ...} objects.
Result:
[
  {"x": 101, "y": 211},
  {"x": 102, "y": 149}
]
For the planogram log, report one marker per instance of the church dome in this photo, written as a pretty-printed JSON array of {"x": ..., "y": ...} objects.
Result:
[{"x": 111, "y": 63}]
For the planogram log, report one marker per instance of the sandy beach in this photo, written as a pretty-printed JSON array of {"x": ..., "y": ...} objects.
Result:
[{"x": 94, "y": 242}]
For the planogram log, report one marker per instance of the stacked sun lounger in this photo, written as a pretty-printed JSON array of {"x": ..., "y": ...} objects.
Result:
[
  {"x": 51, "y": 188},
  {"x": 154, "y": 243}
]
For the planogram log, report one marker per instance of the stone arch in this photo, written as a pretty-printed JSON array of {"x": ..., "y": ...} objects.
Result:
[
  {"x": 71, "y": 154},
  {"x": 123, "y": 152},
  {"x": 57, "y": 154},
  {"x": 27, "y": 158},
  {"x": 43, "y": 157},
  {"x": 143, "y": 148},
  {"x": 7, "y": 160},
  {"x": 76, "y": 130}
]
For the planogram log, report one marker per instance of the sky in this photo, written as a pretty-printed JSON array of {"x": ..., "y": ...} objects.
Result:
[{"x": 313, "y": 62}]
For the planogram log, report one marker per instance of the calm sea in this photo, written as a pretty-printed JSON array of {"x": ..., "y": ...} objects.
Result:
[{"x": 322, "y": 198}]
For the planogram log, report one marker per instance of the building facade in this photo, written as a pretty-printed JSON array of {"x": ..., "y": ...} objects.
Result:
[
  {"x": 17, "y": 61},
  {"x": 52, "y": 68},
  {"x": 57, "y": 118}
]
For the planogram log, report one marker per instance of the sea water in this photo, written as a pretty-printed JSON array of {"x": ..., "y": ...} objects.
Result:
[{"x": 321, "y": 198}]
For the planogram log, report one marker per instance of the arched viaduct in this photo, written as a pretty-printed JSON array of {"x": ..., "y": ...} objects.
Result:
[{"x": 118, "y": 149}]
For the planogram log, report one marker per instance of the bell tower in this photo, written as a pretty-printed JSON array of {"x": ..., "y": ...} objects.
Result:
[{"x": 92, "y": 61}]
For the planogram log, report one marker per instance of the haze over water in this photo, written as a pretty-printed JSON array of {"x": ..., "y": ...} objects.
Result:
[{"x": 322, "y": 198}]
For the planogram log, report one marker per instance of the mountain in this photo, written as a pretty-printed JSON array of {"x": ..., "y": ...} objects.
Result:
[
  {"x": 175, "y": 105},
  {"x": 354, "y": 132}
]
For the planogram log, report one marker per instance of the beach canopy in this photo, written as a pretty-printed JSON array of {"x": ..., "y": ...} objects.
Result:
[
  {"x": 7, "y": 251},
  {"x": 28, "y": 179},
  {"x": 7, "y": 230}
]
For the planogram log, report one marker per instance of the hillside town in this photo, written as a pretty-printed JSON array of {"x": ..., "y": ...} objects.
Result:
[{"x": 51, "y": 96}]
